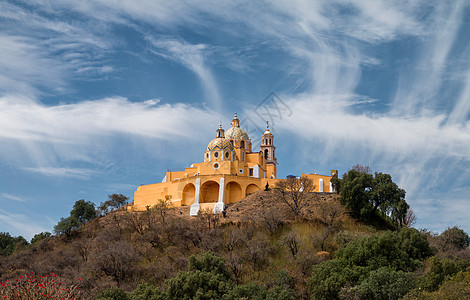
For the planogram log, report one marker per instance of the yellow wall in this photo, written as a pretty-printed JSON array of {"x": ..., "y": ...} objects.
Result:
[{"x": 181, "y": 191}]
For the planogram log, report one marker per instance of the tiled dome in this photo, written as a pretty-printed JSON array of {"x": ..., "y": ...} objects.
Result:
[
  {"x": 219, "y": 143},
  {"x": 236, "y": 133}
]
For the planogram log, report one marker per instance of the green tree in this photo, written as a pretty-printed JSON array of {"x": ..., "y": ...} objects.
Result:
[
  {"x": 456, "y": 287},
  {"x": 206, "y": 278},
  {"x": 83, "y": 211},
  {"x": 9, "y": 244},
  {"x": 454, "y": 238},
  {"x": 147, "y": 291},
  {"x": 208, "y": 262},
  {"x": 386, "y": 283},
  {"x": 66, "y": 226},
  {"x": 400, "y": 251},
  {"x": 441, "y": 269},
  {"x": 365, "y": 194},
  {"x": 114, "y": 202},
  {"x": 112, "y": 294},
  {"x": 40, "y": 236},
  {"x": 254, "y": 291},
  {"x": 198, "y": 285}
]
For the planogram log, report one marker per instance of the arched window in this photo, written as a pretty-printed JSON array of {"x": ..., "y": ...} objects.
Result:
[
  {"x": 266, "y": 153},
  {"x": 242, "y": 144}
]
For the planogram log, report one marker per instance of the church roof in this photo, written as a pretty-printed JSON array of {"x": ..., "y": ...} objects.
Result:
[
  {"x": 236, "y": 133},
  {"x": 220, "y": 143}
]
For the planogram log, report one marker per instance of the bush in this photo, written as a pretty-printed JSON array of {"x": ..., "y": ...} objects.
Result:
[
  {"x": 440, "y": 270},
  {"x": 386, "y": 283},
  {"x": 454, "y": 238},
  {"x": 398, "y": 251},
  {"x": 147, "y": 291},
  {"x": 30, "y": 286}
]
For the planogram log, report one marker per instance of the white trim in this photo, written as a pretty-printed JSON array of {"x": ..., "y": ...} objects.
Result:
[
  {"x": 256, "y": 171},
  {"x": 196, "y": 206},
  {"x": 320, "y": 185}
]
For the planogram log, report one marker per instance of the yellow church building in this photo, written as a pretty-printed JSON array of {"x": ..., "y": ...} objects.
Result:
[{"x": 231, "y": 170}]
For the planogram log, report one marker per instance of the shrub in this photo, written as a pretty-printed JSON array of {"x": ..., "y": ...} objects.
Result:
[{"x": 30, "y": 286}]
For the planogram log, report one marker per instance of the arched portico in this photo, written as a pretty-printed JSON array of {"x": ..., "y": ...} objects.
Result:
[
  {"x": 189, "y": 193},
  {"x": 209, "y": 192},
  {"x": 251, "y": 188},
  {"x": 233, "y": 192}
]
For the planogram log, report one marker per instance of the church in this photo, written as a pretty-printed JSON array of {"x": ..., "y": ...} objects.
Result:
[{"x": 231, "y": 170}]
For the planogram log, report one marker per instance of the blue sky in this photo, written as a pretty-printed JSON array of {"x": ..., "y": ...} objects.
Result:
[{"x": 98, "y": 97}]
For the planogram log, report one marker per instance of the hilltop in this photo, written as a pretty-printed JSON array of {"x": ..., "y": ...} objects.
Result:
[{"x": 262, "y": 244}]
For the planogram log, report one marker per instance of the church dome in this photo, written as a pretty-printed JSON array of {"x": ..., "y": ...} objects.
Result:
[
  {"x": 219, "y": 143},
  {"x": 236, "y": 133}
]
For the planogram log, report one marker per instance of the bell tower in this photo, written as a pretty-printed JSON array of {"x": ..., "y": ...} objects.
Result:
[{"x": 268, "y": 151}]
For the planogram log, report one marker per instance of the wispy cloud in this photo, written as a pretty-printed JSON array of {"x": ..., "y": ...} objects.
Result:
[
  {"x": 45, "y": 138},
  {"x": 21, "y": 224},
  {"x": 75, "y": 173},
  {"x": 13, "y": 198},
  {"x": 38, "y": 52},
  {"x": 192, "y": 57}
]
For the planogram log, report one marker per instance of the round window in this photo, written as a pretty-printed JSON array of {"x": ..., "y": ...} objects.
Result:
[
  {"x": 216, "y": 166},
  {"x": 216, "y": 154}
]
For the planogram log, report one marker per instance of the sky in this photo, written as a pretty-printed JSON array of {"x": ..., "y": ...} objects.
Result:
[{"x": 99, "y": 97}]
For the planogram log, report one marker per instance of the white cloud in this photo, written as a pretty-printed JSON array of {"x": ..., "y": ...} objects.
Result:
[
  {"x": 192, "y": 57},
  {"x": 21, "y": 224},
  {"x": 38, "y": 52},
  {"x": 75, "y": 173},
  {"x": 11, "y": 197},
  {"x": 46, "y": 138}
]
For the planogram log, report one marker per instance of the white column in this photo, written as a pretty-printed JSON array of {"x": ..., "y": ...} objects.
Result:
[
  {"x": 331, "y": 187},
  {"x": 219, "y": 206},
  {"x": 256, "y": 171},
  {"x": 320, "y": 185},
  {"x": 196, "y": 206}
]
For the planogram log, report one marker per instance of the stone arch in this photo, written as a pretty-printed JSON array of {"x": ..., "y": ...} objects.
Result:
[
  {"x": 251, "y": 188},
  {"x": 189, "y": 192},
  {"x": 233, "y": 192},
  {"x": 266, "y": 154},
  {"x": 209, "y": 192}
]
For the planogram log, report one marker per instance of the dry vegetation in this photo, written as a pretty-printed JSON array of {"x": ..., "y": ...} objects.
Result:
[{"x": 258, "y": 237}]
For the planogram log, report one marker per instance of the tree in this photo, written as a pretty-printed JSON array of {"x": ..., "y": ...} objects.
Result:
[
  {"x": 112, "y": 294},
  {"x": 386, "y": 283},
  {"x": 362, "y": 169},
  {"x": 206, "y": 278},
  {"x": 454, "y": 238},
  {"x": 147, "y": 291},
  {"x": 295, "y": 192},
  {"x": 441, "y": 269},
  {"x": 114, "y": 202},
  {"x": 354, "y": 262},
  {"x": 9, "y": 244},
  {"x": 364, "y": 195},
  {"x": 209, "y": 262},
  {"x": 40, "y": 236},
  {"x": 83, "y": 211},
  {"x": 117, "y": 260},
  {"x": 66, "y": 226}
]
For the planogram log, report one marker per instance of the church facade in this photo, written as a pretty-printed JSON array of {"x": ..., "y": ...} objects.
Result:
[{"x": 231, "y": 170}]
